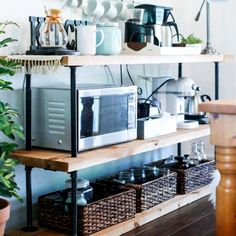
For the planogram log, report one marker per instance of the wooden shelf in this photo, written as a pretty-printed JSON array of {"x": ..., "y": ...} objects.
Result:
[
  {"x": 61, "y": 161},
  {"x": 140, "y": 59},
  {"x": 140, "y": 218}
]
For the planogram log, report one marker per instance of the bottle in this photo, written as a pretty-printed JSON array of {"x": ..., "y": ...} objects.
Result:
[
  {"x": 201, "y": 150},
  {"x": 194, "y": 156}
]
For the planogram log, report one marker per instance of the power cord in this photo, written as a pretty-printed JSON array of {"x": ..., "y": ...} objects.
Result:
[{"x": 139, "y": 91}]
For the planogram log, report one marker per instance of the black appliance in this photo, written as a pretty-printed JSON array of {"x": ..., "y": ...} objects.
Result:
[{"x": 156, "y": 27}]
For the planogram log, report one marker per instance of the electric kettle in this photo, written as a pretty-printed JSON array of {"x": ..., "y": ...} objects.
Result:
[{"x": 192, "y": 103}]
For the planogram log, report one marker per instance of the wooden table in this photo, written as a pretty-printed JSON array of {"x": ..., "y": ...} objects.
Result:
[{"x": 223, "y": 136}]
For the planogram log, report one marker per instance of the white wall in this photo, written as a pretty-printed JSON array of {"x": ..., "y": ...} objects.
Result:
[{"x": 223, "y": 35}]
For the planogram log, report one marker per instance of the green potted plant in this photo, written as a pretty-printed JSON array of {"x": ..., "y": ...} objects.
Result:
[
  {"x": 10, "y": 129},
  {"x": 191, "y": 40}
]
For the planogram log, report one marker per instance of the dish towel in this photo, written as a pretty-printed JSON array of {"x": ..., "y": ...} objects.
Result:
[{"x": 37, "y": 64}]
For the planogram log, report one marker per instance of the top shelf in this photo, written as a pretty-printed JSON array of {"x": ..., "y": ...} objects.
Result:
[{"x": 140, "y": 59}]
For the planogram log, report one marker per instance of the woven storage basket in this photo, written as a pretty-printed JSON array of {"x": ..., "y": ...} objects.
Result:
[
  {"x": 194, "y": 177},
  {"x": 154, "y": 192},
  {"x": 112, "y": 207},
  {"x": 151, "y": 193}
]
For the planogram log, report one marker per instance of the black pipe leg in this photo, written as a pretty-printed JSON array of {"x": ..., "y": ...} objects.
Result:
[
  {"x": 180, "y": 70},
  {"x": 74, "y": 142},
  {"x": 74, "y": 202},
  {"x": 216, "y": 80},
  {"x": 28, "y": 112},
  {"x": 180, "y": 74},
  {"x": 216, "y": 85},
  {"x": 74, "y": 146},
  {"x": 29, "y": 205}
]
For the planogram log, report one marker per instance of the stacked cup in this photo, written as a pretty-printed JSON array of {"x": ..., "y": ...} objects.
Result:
[{"x": 106, "y": 9}]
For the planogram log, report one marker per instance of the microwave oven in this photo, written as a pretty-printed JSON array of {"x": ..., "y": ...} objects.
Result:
[{"x": 105, "y": 115}]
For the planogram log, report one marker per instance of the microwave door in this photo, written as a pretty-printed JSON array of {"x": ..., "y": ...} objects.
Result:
[{"x": 113, "y": 114}]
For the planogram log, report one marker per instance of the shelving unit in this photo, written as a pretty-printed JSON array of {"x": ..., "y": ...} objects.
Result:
[{"x": 71, "y": 163}]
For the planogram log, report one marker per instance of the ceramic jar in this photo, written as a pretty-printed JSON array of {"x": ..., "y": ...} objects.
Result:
[{"x": 112, "y": 39}]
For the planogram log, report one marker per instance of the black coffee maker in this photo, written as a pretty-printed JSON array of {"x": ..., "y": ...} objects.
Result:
[
  {"x": 158, "y": 23},
  {"x": 136, "y": 31}
]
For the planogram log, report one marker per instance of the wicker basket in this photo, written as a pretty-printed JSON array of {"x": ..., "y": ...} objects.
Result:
[
  {"x": 111, "y": 207},
  {"x": 194, "y": 177},
  {"x": 151, "y": 193}
]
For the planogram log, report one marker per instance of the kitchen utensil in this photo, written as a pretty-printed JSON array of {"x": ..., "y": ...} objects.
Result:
[{"x": 52, "y": 32}]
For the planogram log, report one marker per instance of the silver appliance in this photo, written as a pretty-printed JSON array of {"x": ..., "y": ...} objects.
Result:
[
  {"x": 106, "y": 115},
  {"x": 177, "y": 91}
]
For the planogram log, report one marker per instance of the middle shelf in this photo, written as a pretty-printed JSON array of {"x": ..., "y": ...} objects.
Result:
[{"x": 62, "y": 161}]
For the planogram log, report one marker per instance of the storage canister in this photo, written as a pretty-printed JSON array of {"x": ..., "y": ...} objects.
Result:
[{"x": 112, "y": 39}]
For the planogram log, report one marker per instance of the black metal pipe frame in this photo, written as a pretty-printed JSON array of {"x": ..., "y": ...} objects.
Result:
[
  {"x": 74, "y": 146},
  {"x": 180, "y": 74},
  {"x": 28, "y": 112},
  {"x": 216, "y": 80},
  {"x": 29, "y": 205}
]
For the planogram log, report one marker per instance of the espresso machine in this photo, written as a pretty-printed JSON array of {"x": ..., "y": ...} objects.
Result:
[
  {"x": 183, "y": 100},
  {"x": 158, "y": 22}
]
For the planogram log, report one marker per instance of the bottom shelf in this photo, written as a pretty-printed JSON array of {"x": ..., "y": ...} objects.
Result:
[{"x": 140, "y": 218}]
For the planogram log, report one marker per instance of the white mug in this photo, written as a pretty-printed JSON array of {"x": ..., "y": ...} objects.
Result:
[
  {"x": 94, "y": 8},
  {"x": 86, "y": 39},
  {"x": 110, "y": 11}
]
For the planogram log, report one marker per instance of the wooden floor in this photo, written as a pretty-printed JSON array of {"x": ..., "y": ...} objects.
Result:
[{"x": 196, "y": 219}]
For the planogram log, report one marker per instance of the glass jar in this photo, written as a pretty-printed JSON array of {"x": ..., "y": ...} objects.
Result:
[
  {"x": 112, "y": 39},
  {"x": 80, "y": 200}
]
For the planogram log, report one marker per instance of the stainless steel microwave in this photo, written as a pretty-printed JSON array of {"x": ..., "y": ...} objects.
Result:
[{"x": 106, "y": 115}]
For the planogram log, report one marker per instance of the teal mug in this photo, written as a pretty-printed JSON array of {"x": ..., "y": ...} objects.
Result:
[{"x": 112, "y": 44}]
